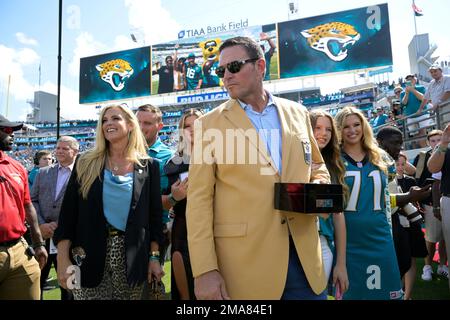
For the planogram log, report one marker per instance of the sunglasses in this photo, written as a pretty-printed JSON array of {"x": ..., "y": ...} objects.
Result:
[
  {"x": 7, "y": 130},
  {"x": 233, "y": 66}
]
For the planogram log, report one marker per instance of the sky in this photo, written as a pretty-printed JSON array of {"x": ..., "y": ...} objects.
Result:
[{"x": 29, "y": 37}]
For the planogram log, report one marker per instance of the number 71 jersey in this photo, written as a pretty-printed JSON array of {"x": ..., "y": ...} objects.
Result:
[
  {"x": 371, "y": 259},
  {"x": 369, "y": 195}
]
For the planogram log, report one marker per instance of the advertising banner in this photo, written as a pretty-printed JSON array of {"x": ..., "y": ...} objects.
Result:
[{"x": 203, "y": 97}]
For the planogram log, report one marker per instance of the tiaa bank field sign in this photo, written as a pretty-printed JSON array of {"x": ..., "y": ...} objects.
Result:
[
  {"x": 232, "y": 25},
  {"x": 203, "y": 97}
]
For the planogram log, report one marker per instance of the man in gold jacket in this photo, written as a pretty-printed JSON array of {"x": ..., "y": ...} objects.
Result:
[{"x": 240, "y": 246}]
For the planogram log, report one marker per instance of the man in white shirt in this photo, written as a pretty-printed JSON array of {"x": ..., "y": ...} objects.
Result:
[{"x": 438, "y": 91}]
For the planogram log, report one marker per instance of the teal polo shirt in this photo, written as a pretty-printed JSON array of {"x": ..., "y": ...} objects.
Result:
[
  {"x": 413, "y": 103},
  {"x": 162, "y": 153}
]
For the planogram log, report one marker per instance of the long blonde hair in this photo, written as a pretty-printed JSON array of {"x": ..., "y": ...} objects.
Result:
[
  {"x": 91, "y": 163},
  {"x": 182, "y": 141},
  {"x": 331, "y": 153},
  {"x": 368, "y": 142}
]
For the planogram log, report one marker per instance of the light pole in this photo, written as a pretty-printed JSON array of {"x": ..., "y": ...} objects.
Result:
[{"x": 58, "y": 98}]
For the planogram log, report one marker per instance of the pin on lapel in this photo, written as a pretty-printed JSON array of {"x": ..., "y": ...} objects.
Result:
[{"x": 307, "y": 152}]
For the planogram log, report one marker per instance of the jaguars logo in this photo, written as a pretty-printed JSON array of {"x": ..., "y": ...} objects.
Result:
[
  {"x": 115, "y": 72},
  {"x": 333, "y": 39}
]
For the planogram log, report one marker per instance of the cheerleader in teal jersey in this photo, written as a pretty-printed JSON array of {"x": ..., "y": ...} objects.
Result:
[{"x": 371, "y": 261}]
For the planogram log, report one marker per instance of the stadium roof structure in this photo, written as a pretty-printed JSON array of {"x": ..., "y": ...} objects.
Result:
[{"x": 360, "y": 87}]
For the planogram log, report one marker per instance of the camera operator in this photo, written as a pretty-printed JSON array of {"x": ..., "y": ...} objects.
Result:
[
  {"x": 415, "y": 240},
  {"x": 406, "y": 232}
]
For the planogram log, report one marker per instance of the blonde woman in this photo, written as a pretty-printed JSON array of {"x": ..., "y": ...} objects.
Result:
[
  {"x": 371, "y": 260},
  {"x": 332, "y": 230},
  {"x": 177, "y": 169},
  {"x": 111, "y": 217}
]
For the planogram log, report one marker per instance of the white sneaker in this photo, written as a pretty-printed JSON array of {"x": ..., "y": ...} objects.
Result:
[
  {"x": 442, "y": 271},
  {"x": 427, "y": 274}
]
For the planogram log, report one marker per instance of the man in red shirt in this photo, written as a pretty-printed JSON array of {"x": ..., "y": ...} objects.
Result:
[{"x": 19, "y": 264}]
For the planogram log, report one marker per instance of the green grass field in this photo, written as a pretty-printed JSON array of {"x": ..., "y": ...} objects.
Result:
[
  {"x": 437, "y": 289},
  {"x": 433, "y": 290},
  {"x": 274, "y": 67},
  {"x": 155, "y": 84}
]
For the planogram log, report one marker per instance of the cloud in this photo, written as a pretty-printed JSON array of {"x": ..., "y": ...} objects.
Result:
[
  {"x": 144, "y": 28},
  {"x": 27, "y": 56},
  {"x": 86, "y": 46},
  {"x": 443, "y": 48},
  {"x": 147, "y": 30},
  {"x": 124, "y": 43},
  {"x": 13, "y": 85},
  {"x": 150, "y": 22},
  {"x": 20, "y": 90},
  {"x": 23, "y": 39},
  {"x": 12, "y": 71}
]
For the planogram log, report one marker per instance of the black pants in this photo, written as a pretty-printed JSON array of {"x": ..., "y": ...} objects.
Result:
[
  {"x": 65, "y": 295},
  {"x": 401, "y": 244}
]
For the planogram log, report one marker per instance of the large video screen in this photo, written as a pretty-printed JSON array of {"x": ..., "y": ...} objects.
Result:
[
  {"x": 190, "y": 64},
  {"x": 115, "y": 76},
  {"x": 335, "y": 42}
]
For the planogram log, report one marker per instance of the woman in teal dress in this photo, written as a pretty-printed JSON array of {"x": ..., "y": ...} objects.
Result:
[{"x": 371, "y": 260}]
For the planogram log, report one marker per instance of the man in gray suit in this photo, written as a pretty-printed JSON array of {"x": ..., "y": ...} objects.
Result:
[{"x": 47, "y": 195}]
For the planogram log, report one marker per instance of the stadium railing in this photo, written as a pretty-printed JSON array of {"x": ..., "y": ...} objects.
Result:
[{"x": 440, "y": 119}]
